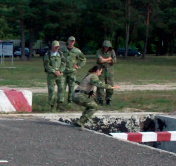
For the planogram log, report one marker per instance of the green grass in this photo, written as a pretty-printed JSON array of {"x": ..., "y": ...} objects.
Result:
[
  {"x": 135, "y": 101},
  {"x": 153, "y": 101},
  {"x": 40, "y": 104},
  {"x": 133, "y": 70},
  {"x": 154, "y": 69}
]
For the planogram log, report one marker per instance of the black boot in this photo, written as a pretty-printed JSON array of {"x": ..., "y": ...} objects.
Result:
[
  {"x": 52, "y": 108},
  {"x": 100, "y": 102},
  {"x": 69, "y": 101},
  {"x": 108, "y": 102}
]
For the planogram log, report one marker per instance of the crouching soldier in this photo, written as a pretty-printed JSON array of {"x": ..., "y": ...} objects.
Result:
[{"x": 83, "y": 95}]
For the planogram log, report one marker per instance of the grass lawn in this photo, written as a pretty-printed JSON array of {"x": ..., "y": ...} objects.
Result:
[{"x": 153, "y": 69}]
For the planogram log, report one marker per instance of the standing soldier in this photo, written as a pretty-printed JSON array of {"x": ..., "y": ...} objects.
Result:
[
  {"x": 106, "y": 58},
  {"x": 54, "y": 64},
  {"x": 75, "y": 59}
]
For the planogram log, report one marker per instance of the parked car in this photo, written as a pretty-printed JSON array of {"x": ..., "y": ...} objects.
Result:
[
  {"x": 131, "y": 52},
  {"x": 17, "y": 52},
  {"x": 42, "y": 51},
  {"x": 6, "y": 56}
]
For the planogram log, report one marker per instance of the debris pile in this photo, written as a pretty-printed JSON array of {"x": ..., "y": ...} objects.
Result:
[{"x": 118, "y": 124}]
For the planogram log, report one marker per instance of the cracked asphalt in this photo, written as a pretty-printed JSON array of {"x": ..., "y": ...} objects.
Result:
[{"x": 39, "y": 142}]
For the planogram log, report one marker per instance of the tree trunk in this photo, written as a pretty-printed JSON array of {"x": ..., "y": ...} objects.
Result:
[
  {"x": 127, "y": 38},
  {"x": 117, "y": 43},
  {"x": 22, "y": 40},
  {"x": 104, "y": 35},
  {"x": 145, "y": 42},
  {"x": 31, "y": 42},
  {"x": 127, "y": 27},
  {"x": 157, "y": 45},
  {"x": 131, "y": 33},
  {"x": 172, "y": 44},
  {"x": 48, "y": 42},
  {"x": 111, "y": 36},
  {"x": 147, "y": 31}
]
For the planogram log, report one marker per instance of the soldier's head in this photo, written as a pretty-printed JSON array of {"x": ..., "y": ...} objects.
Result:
[
  {"x": 106, "y": 46},
  {"x": 71, "y": 41},
  {"x": 55, "y": 46},
  {"x": 97, "y": 69}
]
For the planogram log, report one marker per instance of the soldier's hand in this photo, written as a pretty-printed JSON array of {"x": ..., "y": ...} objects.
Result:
[
  {"x": 109, "y": 61},
  {"x": 110, "y": 58},
  {"x": 115, "y": 87},
  {"x": 57, "y": 73},
  {"x": 93, "y": 95},
  {"x": 75, "y": 66}
]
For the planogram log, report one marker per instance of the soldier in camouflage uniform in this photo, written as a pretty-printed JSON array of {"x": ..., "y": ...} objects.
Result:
[
  {"x": 106, "y": 58},
  {"x": 54, "y": 64},
  {"x": 75, "y": 59},
  {"x": 83, "y": 96}
]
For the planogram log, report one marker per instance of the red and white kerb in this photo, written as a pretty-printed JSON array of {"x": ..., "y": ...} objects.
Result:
[
  {"x": 147, "y": 136},
  {"x": 13, "y": 100}
]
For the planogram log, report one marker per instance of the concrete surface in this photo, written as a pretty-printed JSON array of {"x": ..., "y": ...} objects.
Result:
[
  {"x": 166, "y": 123},
  {"x": 77, "y": 115},
  {"x": 34, "y": 141}
]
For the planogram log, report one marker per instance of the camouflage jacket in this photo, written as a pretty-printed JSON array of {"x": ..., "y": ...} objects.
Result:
[
  {"x": 90, "y": 81},
  {"x": 54, "y": 63},
  {"x": 73, "y": 57},
  {"x": 107, "y": 67}
]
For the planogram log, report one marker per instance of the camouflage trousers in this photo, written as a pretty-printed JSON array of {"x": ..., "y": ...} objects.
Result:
[
  {"x": 70, "y": 83},
  {"x": 53, "y": 80},
  {"x": 100, "y": 93},
  {"x": 83, "y": 100}
]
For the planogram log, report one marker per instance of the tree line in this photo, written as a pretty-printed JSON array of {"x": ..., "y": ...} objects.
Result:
[{"x": 146, "y": 25}]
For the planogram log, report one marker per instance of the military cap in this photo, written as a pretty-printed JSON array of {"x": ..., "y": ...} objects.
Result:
[
  {"x": 107, "y": 43},
  {"x": 71, "y": 38},
  {"x": 55, "y": 43}
]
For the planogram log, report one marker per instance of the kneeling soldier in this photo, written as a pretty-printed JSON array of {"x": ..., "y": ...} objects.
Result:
[{"x": 83, "y": 94}]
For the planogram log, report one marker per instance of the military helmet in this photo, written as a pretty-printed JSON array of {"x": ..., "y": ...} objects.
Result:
[{"x": 107, "y": 43}]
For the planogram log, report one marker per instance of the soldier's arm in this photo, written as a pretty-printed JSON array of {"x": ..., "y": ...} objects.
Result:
[
  {"x": 95, "y": 81},
  {"x": 98, "y": 57},
  {"x": 47, "y": 65},
  {"x": 113, "y": 55},
  {"x": 63, "y": 63},
  {"x": 106, "y": 60},
  {"x": 101, "y": 59},
  {"x": 81, "y": 59}
]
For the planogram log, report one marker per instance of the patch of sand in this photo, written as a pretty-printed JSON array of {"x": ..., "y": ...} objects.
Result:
[{"x": 123, "y": 87}]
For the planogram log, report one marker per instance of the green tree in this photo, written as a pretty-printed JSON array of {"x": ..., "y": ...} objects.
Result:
[
  {"x": 147, "y": 7},
  {"x": 16, "y": 11},
  {"x": 59, "y": 16}
]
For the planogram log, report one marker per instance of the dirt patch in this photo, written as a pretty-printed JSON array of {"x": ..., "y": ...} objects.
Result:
[
  {"x": 132, "y": 87},
  {"x": 123, "y": 87}
]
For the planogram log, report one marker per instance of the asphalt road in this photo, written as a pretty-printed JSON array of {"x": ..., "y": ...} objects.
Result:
[{"x": 39, "y": 142}]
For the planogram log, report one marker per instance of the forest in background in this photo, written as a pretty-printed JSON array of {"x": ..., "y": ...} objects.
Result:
[{"x": 146, "y": 25}]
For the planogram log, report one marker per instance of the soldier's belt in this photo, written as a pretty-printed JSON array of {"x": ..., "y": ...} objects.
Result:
[{"x": 81, "y": 91}]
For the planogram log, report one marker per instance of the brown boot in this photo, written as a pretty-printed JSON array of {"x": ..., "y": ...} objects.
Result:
[{"x": 80, "y": 122}]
